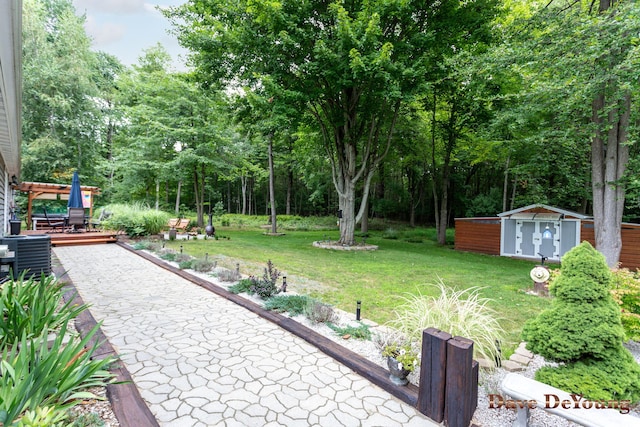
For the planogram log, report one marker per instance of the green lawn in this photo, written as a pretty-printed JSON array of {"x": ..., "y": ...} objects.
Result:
[{"x": 377, "y": 278}]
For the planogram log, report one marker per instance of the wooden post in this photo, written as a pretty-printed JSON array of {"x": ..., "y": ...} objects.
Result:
[
  {"x": 459, "y": 400},
  {"x": 431, "y": 389}
]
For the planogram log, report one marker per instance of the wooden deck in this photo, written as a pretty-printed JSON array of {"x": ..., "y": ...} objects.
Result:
[{"x": 79, "y": 238}]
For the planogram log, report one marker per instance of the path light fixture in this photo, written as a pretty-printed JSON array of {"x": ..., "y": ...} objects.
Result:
[
  {"x": 180, "y": 248},
  {"x": 284, "y": 284},
  {"x": 358, "y": 307}
]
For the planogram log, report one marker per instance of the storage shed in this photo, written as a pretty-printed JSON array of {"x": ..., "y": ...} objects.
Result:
[{"x": 538, "y": 230}]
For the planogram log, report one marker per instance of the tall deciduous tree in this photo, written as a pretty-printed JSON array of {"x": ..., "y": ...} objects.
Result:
[
  {"x": 60, "y": 116},
  {"x": 349, "y": 64},
  {"x": 579, "y": 60}
]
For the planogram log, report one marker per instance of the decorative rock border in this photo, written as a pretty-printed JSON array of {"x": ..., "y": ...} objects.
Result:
[{"x": 340, "y": 247}]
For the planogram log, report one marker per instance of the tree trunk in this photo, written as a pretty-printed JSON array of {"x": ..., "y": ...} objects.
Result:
[
  {"x": 505, "y": 186},
  {"x": 609, "y": 158},
  {"x": 243, "y": 181},
  {"x": 272, "y": 192},
  {"x": 364, "y": 224},
  {"x": 289, "y": 191},
  {"x": 177, "y": 210},
  {"x": 157, "y": 194}
]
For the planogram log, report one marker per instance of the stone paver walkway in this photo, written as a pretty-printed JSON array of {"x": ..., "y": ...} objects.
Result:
[{"x": 200, "y": 360}]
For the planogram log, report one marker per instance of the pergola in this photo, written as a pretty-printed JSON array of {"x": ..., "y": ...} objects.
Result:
[{"x": 47, "y": 191}]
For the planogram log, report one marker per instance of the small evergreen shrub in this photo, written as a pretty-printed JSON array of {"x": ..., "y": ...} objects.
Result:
[
  {"x": 243, "y": 285},
  {"x": 168, "y": 256},
  {"x": 319, "y": 312},
  {"x": 359, "y": 331},
  {"x": 292, "y": 304},
  {"x": 185, "y": 265},
  {"x": 582, "y": 329}
]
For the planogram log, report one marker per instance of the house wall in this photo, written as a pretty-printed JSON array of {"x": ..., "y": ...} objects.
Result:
[{"x": 480, "y": 235}]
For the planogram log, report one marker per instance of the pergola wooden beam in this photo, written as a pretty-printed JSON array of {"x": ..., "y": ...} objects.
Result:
[{"x": 40, "y": 190}]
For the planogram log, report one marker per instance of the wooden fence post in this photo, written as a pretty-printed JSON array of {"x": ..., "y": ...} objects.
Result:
[
  {"x": 431, "y": 389},
  {"x": 461, "y": 396}
]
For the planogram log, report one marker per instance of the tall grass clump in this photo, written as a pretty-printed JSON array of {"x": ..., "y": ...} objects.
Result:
[
  {"x": 459, "y": 312},
  {"x": 136, "y": 219}
]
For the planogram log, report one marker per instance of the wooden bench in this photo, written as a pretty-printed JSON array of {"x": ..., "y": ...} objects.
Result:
[
  {"x": 527, "y": 394},
  {"x": 178, "y": 223}
]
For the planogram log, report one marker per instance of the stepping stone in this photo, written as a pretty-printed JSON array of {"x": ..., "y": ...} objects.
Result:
[
  {"x": 523, "y": 351},
  {"x": 512, "y": 366},
  {"x": 515, "y": 357},
  {"x": 486, "y": 364}
]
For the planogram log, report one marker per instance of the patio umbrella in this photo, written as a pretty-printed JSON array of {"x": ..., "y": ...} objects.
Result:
[{"x": 75, "y": 197}]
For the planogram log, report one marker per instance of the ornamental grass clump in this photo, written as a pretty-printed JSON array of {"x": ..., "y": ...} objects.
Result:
[
  {"x": 459, "y": 312},
  {"x": 582, "y": 331}
]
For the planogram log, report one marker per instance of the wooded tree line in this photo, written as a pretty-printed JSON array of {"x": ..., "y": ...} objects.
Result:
[{"x": 402, "y": 109}]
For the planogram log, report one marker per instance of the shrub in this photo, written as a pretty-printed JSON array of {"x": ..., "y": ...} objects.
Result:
[
  {"x": 185, "y": 265},
  {"x": 626, "y": 293},
  {"x": 169, "y": 256},
  {"x": 266, "y": 286},
  {"x": 243, "y": 285},
  {"x": 583, "y": 329},
  {"x": 293, "y": 304},
  {"x": 319, "y": 312},
  {"x": 226, "y": 275},
  {"x": 463, "y": 313},
  {"x": 202, "y": 265}
]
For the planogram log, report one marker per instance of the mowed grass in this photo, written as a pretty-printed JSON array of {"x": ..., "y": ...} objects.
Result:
[{"x": 378, "y": 278}]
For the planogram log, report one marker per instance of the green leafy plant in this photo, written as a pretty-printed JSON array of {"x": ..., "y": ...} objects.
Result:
[
  {"x": 169, "y": 256},
  {"x": 293, "y": 304},
  {"x": 243, "y": 285},
  {"x": 582, "y": 329},
  {"x": 459, "y": 312},
  {"x": 185, "y": 265},
  {"x": 33, "y": 307},
  {"x": 359, "y": 331},
  {"x": 35, "y": 373},
  {"x": 47, "y": 416}
]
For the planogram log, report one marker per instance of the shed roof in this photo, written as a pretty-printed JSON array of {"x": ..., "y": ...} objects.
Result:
[{"x": 539, "y": 206}]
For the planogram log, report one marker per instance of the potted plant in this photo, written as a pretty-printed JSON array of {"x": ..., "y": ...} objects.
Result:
[{"x": 402, "y": 359}]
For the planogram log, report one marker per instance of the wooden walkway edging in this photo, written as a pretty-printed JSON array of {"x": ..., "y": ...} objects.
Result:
[
  {"x": 448, "y": 387},
  {"x": 126, "y": 402}
]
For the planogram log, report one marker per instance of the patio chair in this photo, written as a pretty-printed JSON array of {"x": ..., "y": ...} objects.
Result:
[
  {"x": 76, "y": 219},
  {"x": 53, "y": 223},
  {"x": 95, "y": 223}
]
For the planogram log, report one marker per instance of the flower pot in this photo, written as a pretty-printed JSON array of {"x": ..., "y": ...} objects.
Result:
[{"x": 397, "y": 373}]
